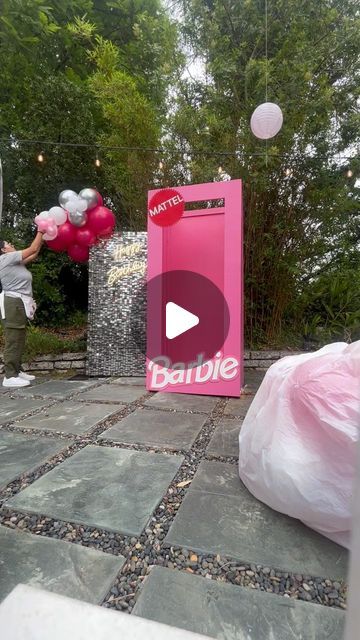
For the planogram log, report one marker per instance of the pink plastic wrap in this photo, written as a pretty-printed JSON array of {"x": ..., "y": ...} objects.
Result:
[{"x": 298, "y": 440}]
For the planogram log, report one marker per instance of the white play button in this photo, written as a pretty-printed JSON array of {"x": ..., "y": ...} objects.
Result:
[{"x": 178, "y": 320}]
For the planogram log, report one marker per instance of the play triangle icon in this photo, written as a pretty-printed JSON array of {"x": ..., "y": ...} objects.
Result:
[{"x": 178, "y": 320}]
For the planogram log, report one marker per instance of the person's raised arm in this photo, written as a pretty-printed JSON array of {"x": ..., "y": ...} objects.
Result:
[{"x": 33, "y": 250}]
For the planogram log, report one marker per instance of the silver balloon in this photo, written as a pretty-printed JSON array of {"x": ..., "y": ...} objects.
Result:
[
  {"x": 65, "y": 196},
  {"x": 91, "y": 197},
  {"x": 78, "y": 218}
]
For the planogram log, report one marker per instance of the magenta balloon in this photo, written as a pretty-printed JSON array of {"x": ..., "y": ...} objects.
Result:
[
  {"x": 78, "y": 253},
  {"x": 56, "y": 245},
  {"x": 85, "y": 237},
  {"x": 106, "y": 233},
  {"x": 66, "y": 232},
  {"x": 100, "y": 200},
  {"x": 65, "y": 237},
  {"x": 100, "y": 218}
]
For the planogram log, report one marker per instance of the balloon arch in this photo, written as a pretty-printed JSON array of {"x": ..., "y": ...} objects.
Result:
[{"x": 79, "y": 222}]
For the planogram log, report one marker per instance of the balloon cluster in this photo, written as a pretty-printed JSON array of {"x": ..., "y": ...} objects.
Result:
[{"x": 79, "y": 222}]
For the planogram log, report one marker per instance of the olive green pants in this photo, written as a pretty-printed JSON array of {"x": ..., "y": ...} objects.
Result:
[{"x": 14, "y": 333}]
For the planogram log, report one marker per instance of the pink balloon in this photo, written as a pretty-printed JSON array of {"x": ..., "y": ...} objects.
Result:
[
  {"x": 78, "y": 253},
  {"x": 85, "y": 236},
  {"x": 43, "y": 223},
  {"x": 100, "y": 200},
  {"x": 65, "y": 237},
  {"x": 100, "y": 218}
]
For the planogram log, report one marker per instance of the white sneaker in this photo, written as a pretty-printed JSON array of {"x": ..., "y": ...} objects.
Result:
[
  {"x": 15, "y": 382},
  {"x": 26, "y": 376}
]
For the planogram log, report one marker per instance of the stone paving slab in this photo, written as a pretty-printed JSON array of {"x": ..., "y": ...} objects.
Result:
[
  {"x": 157, "y": 428},
  {"x": 55, "y": 565},
  {"x": 253, "y": 380},
  {"x": 238, "y": 406},
  {"x": 228, "y": 612},
  {"x": 57, "y": 389},
  {"x": 21, "y": 453},
  {"x": 114, "y": 489},
  {"x": 70, "y": 417},
  {"x": 248, "y": 530},
  {"x": 225, "y": 441},
  {"x": 3, "y": 389},
  {"x": 13, "y": 408},
  {"x": 182, "y": 402},
  {"x": 113, "y": 393},
  {"x": 136, "y": 381}
]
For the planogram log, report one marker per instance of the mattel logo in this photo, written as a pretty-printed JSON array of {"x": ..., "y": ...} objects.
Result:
[
  {"x": 164, "y": 373},
  {"x": 166, "y": 207}
]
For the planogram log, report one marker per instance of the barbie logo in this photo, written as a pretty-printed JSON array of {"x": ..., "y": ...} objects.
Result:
[{"x": 164, "y": 373}]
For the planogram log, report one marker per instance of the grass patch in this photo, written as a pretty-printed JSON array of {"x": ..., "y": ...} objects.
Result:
[{"x": 44, "y": 341}]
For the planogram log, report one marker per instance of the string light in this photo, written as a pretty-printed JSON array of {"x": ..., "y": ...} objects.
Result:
[
  {"x": 220, "y": 170},
  {"x": 97, "y": 162},
  {"x": 175, "y": 152},
  {"x": 161, "y": 165},
  {"x": 40, "y": 157},
  {"x": 349, "y": 173}
]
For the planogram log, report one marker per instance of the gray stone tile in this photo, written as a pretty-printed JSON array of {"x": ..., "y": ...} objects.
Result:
[
  {"x": 55, "y": 565},
  {"x": 182, "y": 402},
  {"x": 238, "y": 406},
  {"x": 136, "y": 381},
  {"x": 69, "y": 417},
  {"x": 247, "y": 529},
  {"x": 21, "y": 453},
  {"x": 228, "y": 612},
  {"x": 58, "y": 389},
  {"x": 253, "y": 380},
  {"x": 113, "y": 393},
  {"x": 13, "y": 408},
  {"x": 114, "y": 489},
  {"x": 3, "y": 389},
  {"x": 157, "y": 428},
  {"x": 225, "y": 441}
]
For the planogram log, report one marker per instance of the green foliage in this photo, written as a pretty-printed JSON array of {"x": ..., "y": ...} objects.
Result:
[
  {"x": 84, "y": 72},
  {"x": 308, "y": 216},
  {"x": 41, "y": 342},
  {"x": 331, "y": 307}
]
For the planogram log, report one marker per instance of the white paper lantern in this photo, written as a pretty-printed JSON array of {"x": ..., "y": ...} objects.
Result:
[{"x": 266, "y": 121}]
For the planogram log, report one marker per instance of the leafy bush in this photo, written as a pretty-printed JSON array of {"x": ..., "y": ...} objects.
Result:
[
  {"x": 40, "y": 342},
  {"x": 60, "y": 290},
  {"x": 331, "y": 307}
]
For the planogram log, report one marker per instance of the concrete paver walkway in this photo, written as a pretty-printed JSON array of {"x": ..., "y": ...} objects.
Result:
[{"x": 132, "y": 500}]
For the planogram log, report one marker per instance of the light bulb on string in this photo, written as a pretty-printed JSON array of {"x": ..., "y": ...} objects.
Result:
[
  {"x": 97, "y": 162},
  {"x": 161, "y": 165},
  {"x": 40, "y": 157},
  {"x": 349, "y": 173}
]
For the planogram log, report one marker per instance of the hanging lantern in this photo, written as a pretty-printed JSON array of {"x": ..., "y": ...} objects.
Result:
[{"x": 266, "y": 121}]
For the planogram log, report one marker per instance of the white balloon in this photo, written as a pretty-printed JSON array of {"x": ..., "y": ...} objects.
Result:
[
  {"x": 71, "y": 205},
  {"x": 66, "y": 195},
  {"x": 43, "y": 215},
  {"x": 58, "y": 215},
  {"x": 82, "y": 204},
  {"x": 266, "y": 121}
]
